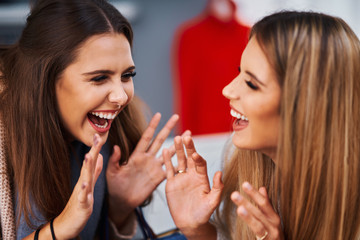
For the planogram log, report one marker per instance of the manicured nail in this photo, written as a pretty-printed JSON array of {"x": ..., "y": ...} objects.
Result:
[
  {"x": 96, "y": 140},
  {"x": 247, "y": 185},
  {"x": 83, "y": 185},
  {"x": 243, "y": 211}
]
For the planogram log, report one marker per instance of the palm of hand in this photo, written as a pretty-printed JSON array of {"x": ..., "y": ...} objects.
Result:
[
  {"x": 190, "y": 199},
  {"x": 137, "y": 179},
  {"x": 78, "y": 209},
  {"x": 196, "y": 205},
  {"x": 131, "y": 184}
]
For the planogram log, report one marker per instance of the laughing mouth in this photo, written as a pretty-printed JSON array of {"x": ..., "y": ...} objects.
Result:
[
  {"x": 237, "y": 115},
  {"x": 101, "y": 119}
]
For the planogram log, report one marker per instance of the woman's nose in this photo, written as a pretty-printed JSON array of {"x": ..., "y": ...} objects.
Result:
[
  {"x": 118, "y": 95},
  {"x": 229, "y": 90}
]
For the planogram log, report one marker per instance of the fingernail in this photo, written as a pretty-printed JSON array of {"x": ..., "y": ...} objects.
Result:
[
  {"x": 83, "y": 185},
  {"x": 238, "y": 197},
  {"x": 96, "y": 140},
  {"x": 243, "y": 211},
  {"x": 247, "y": 186},
  {"x": 86, "y": 158}
]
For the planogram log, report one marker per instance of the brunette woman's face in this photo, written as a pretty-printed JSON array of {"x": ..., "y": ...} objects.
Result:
[
  {"x": 254, "y": 101},
  {"x": 96, "y": 86}
]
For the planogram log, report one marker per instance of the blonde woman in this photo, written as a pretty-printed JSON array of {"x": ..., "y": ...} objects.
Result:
[{"x": 295, "y": 171}]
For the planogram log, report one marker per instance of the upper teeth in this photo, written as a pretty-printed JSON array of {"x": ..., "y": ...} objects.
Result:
[
  {"x": 238, "y": 115},
  {"x": 104, "y": 115}
]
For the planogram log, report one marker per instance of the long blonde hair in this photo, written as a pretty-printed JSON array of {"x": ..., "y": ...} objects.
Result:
[{"x": 315, "y": 184}]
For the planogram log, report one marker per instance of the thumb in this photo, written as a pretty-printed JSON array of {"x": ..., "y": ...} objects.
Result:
[
  {"x": 216, "y": 190},
  {"x": 115, "y": 157}
]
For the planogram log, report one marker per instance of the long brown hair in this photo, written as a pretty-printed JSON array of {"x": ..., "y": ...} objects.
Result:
[
  {"x": 315, "y": 184},
  {"x": 36, "y": 146}
]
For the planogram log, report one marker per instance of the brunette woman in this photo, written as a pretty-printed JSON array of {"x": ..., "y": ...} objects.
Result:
[{"x": 68, "y": 95}]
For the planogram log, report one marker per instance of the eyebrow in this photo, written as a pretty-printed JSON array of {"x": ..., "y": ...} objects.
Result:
[
  {"x": 109, "y": 72},
  {"x": 253, "y": 76}
]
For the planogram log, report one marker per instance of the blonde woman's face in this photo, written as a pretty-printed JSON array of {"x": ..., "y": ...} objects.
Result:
[
  {"x": 96, "y": 86},
  {"x": 254, "y": 97}
]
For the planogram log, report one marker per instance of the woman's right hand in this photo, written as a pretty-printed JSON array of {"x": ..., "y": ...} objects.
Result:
[
  {"x": 190, "y": 199},
  {"x": 79, "y": 208}
]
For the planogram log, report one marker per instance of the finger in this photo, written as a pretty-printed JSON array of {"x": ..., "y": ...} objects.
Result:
[
  {"x": 189, "y": 145},
  {"x": 168, "y": 164},
  {"x": 254, "y": 224},
  {"x": 148, "y": 134},
  {"x": 245, "y": 211},
  {"x": 98, "y": 168},
  {"x": 239, "y": 200},
  {"x": 200, "y": 163},
  {"x": 163, "y": 134},
  {"x": 215, "y": 192},
  {"x": 274, "y": 218},
  {"x": 86, "y": 172},
  {"x": 172, "y": 149},
  {"x": 217, "y": 182},
  {"x": 94, "y": 152},
  {"x": 83, "y": 194},
  {"x": 96, "y": 147},
  {"x": 262, "y": 191},
  {"x": 268, "y": 222},
  {"x": 262, "y": 202},
  {"x": 84, "y": 180},
  {"x": 186, "y": 133},
  {"x": 115, "y": 158},
  {"x": 180, "y": 153}
]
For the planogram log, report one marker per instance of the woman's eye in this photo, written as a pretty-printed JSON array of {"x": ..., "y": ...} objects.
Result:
[
  {"x": 127, "y": 76},
  {"x": 99, "y": 78},
  {"x": 251, "y": 85}
]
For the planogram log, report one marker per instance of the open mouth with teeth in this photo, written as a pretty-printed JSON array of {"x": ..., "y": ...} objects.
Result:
[
  {"x": 238, "y": 115},
  {"x": 241, "y": 120},
  {"x": 101, "y": 121}
]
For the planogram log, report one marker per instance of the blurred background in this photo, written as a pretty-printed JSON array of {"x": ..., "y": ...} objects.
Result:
[{"x": 185, "y": 52}]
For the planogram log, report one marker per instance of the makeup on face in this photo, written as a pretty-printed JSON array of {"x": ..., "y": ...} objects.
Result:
[
  {"x": 254, "y": 98},
  {"x": 96, "y": 87}
]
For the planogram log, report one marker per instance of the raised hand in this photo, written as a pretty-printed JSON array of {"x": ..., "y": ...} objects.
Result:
[
  {"x": 262, "y": 220},
  {"x": 77, "y": 211},
  {"x": 131, "y": 184},
  {"x": 190, "y": 199}
]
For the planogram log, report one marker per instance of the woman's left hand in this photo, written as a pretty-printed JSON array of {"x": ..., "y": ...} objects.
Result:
[
  {"x": 131, "y": 184},
  {"x": 262, "y": 220}
]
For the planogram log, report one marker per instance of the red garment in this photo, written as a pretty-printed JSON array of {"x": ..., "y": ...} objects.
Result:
[{"x": 207, "y": 56}]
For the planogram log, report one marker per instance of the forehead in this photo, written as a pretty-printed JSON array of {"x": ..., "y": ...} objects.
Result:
[
  {"x": 254, "y": 60},
  {"x": 104, "y": 49}
]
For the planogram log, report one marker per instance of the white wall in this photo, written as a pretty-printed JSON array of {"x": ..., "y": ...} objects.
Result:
[{"x": 251, "y": 11}]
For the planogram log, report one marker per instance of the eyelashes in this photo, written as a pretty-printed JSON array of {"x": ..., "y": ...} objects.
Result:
[
  {"x": 128, "y": 75},
  {"x": 99, "y": 78},
  {"x": 124, "y": 77},
  {"x": 251, "y": 85}
]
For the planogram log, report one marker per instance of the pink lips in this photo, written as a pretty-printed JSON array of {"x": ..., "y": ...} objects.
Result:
[{"x": 239, "y": 124}]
